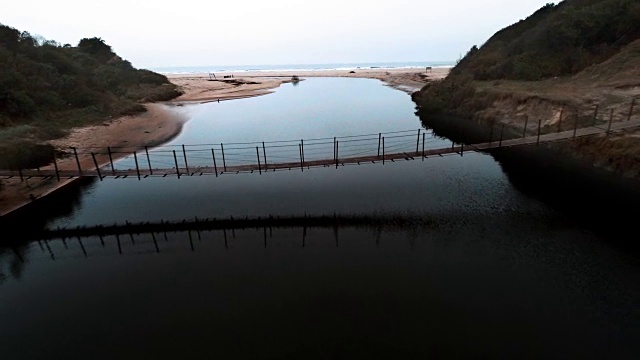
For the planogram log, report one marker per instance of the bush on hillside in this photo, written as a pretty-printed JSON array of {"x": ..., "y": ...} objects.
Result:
[
  {"x": 556, "y": 40},
  {"x": 52, "y": 87}
]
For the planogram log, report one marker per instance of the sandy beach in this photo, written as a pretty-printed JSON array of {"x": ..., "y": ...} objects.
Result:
[
  {"x": 204, "y": 87},
  {"x": 163, "y": 121}
]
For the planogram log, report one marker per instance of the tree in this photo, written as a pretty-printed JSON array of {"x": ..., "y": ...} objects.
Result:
[
  {"x": 97, "y": 48},
  {"x": 9, "y": 38}
]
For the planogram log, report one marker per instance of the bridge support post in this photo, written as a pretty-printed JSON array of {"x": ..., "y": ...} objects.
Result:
[
  {"x": 491, "y": 134},
  {"x": 55, "y": 166},
  {"x": 304, "y": 235},
  {"x": 135, "y": 157},
  {"x": 175, "y": 159},
  {"x": 379, "y": 139},
  {"x": 595, "y": 115},
  {"x": 146, "y": 150},
  {"x": 21, "y": 176},
  {"x": 461, "y": 149},
  {"x": 119, "y": 245},
  {"x": 46, "y": 243},
  {"x": 633, "y": 103},
  {"x": 224, "y": 162},
  {"x": 186, "y": 164},
  {"x": 418, "y": 141},
  {"x": 382, "y": 152},
  {"x": 575, "y": 127},
  {"x": 423, "y": 137},
  {"x": 113, "y": 170},
  {"x": 259, "y": 167},
  {"x": 155, "y": 242},
  {"x": 301, "y": 161},
  {"x": 337, "y": 143},
  {"x": 264, "y": 152},
  {"x": 84, "y": 251},
  {"x": 560, "y": 120},
  {"x": 215, "y": 166},
  {"x": 526, "y": 122},
  {"x": 501, "y": 135},
  {"x": 539, "y": 128},
  {"x": 96, "y": 164},
  {"x": 610, "y": 121},
  {"x": 75, "y": 153},
  {"x": 302, "y": 148}
]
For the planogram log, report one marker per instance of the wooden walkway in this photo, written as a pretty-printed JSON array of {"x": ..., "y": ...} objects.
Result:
[{"x": 374, "y": 157}]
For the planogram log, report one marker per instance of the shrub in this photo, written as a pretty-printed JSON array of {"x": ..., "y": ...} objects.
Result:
[
  {"x": 557, "y": 40},
  {"x": 25, "y": 155}
]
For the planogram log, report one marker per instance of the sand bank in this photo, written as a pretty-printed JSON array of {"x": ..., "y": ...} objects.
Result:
[
  {"x": 157, "y": 125},
  {"x": 163, "y": 121},
  {"x": 205, "y": 87}
]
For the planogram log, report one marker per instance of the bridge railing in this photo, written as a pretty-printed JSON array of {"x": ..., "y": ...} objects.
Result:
[
  {"x": 99, "y": 161},
  {"x": 228, "y": 155}
]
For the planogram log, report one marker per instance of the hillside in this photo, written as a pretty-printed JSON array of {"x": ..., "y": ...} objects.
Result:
[
  {"x": 556, "y": 40},
  {"x": 581, "y": 92},
  {"x": 47, "y": 88}
]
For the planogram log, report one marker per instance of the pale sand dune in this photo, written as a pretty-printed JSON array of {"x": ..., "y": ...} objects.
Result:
[
  {"x": 201, "y": 87},
  {"x": 164, "y": 121}
]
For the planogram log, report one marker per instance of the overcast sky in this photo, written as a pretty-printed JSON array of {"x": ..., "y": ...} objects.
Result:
[{"x": 157, "y": 33}]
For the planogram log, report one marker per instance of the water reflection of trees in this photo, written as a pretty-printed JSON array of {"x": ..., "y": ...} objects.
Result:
[
  {"x": 36, "y": 215},
  {"x": 14, "y": 248},
  {"x": 595, "y": 198},
  {"x": 12, "y": 262}
]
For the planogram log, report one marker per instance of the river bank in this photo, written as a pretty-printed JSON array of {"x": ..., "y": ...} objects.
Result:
[
  {"x": 163, "y": 121},
  {"x": 603, "y": 93},
  {"x": 205, "y": 87}
]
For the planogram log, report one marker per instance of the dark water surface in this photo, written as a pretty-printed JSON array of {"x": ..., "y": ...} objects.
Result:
[{"x": 483, "y": 269}]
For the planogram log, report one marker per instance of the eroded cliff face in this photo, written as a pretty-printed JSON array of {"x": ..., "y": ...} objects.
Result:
[
  {"x": 522, "y": 107},
  {"x": 555, "y": 103},
  {"x": 517, "y": 112},
  {"x": 602, "y": 92},
  {"x": 619, "y": 153}
]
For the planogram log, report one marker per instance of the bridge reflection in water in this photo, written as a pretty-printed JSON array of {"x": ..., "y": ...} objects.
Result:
[{"x": 150, "y": 237}]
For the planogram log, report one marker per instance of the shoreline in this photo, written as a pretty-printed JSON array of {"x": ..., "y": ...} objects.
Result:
[
  {"x": 164, "y": 121},
  {"x": 201, "y": 87},
  {"x": 159, "y": 124}
]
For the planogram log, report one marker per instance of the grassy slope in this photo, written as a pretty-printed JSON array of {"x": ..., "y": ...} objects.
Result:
[
  {"x": 556, "y": 40},
  {"x": 610, "y": 84}
]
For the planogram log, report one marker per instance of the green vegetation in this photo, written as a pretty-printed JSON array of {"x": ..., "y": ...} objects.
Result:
[
  {"x": 563, "y": 59},
  {"x": 47, "y": 88},
  {"x": 556, "y": 41}
]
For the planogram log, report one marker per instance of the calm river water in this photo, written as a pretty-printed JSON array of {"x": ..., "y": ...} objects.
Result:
[{"x": 482, "y": 269}]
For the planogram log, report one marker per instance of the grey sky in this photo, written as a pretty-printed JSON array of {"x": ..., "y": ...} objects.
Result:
[{"x": 241, "y": 32}]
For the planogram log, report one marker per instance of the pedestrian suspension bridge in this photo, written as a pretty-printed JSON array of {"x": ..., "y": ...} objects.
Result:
[{"x": 270, "y": 156}]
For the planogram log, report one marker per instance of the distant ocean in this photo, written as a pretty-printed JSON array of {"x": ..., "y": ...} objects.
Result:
[{"x": 301, "y": 67}]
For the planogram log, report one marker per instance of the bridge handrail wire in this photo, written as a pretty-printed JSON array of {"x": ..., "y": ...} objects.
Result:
[
  {"x": 246, "y": 158},
  {"x": 255, "y": 143}
]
